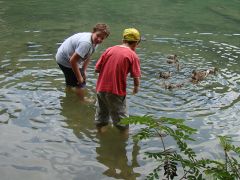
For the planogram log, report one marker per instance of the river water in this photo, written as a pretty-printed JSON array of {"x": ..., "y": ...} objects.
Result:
[{"x": 46, "y": 133}]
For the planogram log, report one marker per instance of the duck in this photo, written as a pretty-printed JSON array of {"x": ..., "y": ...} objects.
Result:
[
  {"x": 200, "y": 75},
  {"x": 172, "y": 86},
  {"x": 172, "y": 59},
  {"x": 173, "y": 56},
  {"x": 165, "y": 75},
  {"x": 212, "y": 70}
]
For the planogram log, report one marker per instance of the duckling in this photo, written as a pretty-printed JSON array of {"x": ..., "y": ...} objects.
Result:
[
  {"x": 178, "y": 66},
  {"x": 165, "y": 75},
  {"x": 200, "y": 75},
  {"x": 171, "y": 59},
  {"x": 172, "y": 86}
]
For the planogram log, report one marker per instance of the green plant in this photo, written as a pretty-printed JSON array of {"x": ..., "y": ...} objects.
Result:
[
  {"x": 230, "y": 168},
  {"x": 182, "y": 158}
]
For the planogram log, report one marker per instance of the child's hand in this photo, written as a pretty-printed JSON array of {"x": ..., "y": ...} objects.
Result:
[
  {"x": 84, "y": 76},
  {"x": 135, "y": 90},
  {"x": 81, "y": 80}
]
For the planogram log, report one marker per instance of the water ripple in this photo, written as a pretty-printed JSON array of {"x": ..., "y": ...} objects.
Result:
[{"x": 55, "y": 128}]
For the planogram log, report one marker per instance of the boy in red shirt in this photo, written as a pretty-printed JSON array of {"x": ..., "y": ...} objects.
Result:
[{"x": 113, "y": 67}]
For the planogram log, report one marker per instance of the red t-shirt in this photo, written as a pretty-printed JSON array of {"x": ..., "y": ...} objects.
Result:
[{"x": 113, "y": 66}]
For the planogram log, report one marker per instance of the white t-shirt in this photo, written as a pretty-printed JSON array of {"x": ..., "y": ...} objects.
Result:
[{"x": 80, "y": 43}]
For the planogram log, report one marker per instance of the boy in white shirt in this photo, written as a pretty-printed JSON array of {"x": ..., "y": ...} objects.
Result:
[{"x": 75, "y": 51}]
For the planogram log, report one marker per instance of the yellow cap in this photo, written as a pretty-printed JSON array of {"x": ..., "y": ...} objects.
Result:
[{"x": 131, "y": 34}]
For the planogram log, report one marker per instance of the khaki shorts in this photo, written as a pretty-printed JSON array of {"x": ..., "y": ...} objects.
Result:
[{"x": 110, "y": 105}]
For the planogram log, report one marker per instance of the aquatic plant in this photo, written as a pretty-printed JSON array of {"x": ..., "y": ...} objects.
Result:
[{"x": 182, "y": 162}]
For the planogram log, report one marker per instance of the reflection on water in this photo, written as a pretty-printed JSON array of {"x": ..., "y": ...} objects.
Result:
[
  {"x": 79, "y": 115},
  {"x": 112, "y": 153},
  {"x": 47, "y": 132},
  {"x": 111, "y": 147}
]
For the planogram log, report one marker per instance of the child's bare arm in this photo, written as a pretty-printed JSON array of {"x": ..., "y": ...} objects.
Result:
[
  {"x": 136, "y": 82},
  {"x": 85, "y": 65},
  {"x": 73, "y": 62}
]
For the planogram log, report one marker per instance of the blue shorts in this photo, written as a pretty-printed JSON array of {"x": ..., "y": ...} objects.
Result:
[{"x": 70, "y": 78}]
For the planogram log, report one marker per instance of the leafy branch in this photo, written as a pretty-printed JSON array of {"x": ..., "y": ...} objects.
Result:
[{"x": 171, "y": 160}]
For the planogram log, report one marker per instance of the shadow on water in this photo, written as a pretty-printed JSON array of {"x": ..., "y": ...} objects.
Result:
[{"x": 111, "y": 146}]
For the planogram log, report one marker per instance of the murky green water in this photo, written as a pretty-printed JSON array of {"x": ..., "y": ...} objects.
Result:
[{"x": 46, "y": 133}]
